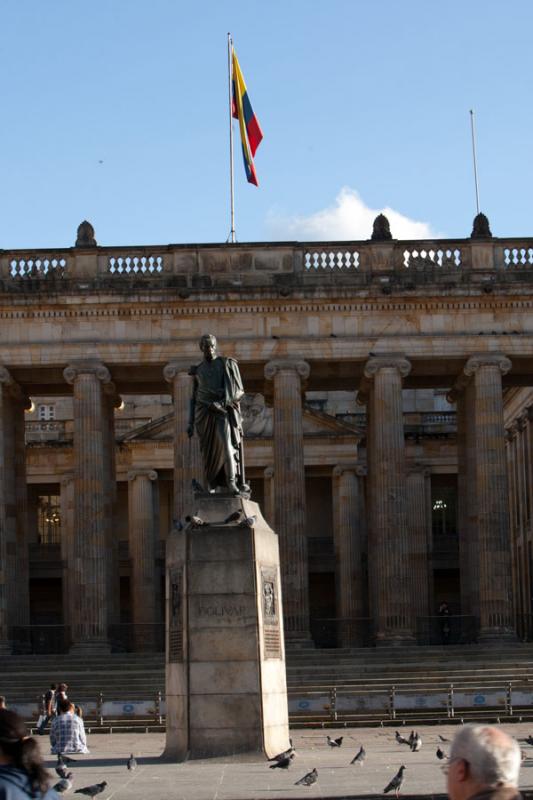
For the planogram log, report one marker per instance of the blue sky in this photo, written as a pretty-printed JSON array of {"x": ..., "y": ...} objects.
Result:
[{"x": 364, "y": 106}]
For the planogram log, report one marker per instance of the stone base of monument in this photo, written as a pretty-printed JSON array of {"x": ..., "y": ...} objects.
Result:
[{"x": 226, "y": 688}]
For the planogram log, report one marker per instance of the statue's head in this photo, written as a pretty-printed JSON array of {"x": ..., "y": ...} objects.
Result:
[{"x": 208, "y": 346}]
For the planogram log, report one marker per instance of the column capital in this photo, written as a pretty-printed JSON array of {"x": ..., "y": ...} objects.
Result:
[
  {"x": 374, "y": 364},
  {"x": 13, "y": 389},
  {"x": 340, "y": 469},
  {"x": 387, "y": 361},
  {"x": 76, "y": 368},
  {"x": 66, "y": 479},
  {"x": 474, "y": 363},
  {"x": 175, "y": 368},
  {"x": 498, "y": 360},
  {"x": 151, "y": 474},
  {"x": 286, "y": 365}
]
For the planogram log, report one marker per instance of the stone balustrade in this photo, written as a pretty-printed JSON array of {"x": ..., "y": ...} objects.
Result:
[{"x": 205, "y": 265}]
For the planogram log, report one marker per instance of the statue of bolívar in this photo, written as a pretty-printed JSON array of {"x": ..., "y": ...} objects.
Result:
[{"x": 215, "y": 415}]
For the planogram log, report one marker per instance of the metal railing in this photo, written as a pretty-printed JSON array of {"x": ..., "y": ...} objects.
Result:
[
  {"x": 360, "y": 631},
  {"x": 452, "y": 629},
  {"x": 56, "y": 639},
  {"x": 39, "y": 639}
]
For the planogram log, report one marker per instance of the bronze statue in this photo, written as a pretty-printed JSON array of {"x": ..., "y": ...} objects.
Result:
[{"x": 216, "y": 416}]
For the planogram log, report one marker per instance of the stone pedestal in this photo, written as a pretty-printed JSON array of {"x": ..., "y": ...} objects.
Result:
[{"x": 225, "y": 662}]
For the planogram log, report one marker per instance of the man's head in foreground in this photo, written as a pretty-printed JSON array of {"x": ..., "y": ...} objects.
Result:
[{"x": 482, "y": 759}]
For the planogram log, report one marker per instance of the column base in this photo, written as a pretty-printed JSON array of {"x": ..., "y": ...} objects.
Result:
[
  {"x": 301, "y": 642},
  {"x": 91, "y": 647},
  {"x": 5, "y": 648},
  {"x": 396, "y": 639},
  {"x": 497, "y": 635}
]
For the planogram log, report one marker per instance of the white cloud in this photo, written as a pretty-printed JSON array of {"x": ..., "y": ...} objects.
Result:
[{"x": 347, "y": 218}]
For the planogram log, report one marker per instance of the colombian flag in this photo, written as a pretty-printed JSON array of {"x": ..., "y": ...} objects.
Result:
[{"x": 241, "y": 109}]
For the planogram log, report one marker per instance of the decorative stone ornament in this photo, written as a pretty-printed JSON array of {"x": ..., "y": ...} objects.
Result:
[
  {"x": 381, "y": 229},
  {"x": 85, "y": 236},
  {"x": 481, "y": 227}
]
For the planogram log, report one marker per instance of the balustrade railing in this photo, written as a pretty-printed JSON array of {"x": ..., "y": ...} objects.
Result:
[{"x": 198, "y": 265}]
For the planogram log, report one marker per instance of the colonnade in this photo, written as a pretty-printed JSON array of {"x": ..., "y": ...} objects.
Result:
[{"x": 395, "y": 522}]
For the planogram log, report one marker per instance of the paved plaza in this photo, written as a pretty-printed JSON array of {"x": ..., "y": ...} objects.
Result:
[{"x": 246, "y": 778}]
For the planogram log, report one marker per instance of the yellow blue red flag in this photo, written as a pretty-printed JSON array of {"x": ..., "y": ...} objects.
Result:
[{"x": 241, "y": 109}]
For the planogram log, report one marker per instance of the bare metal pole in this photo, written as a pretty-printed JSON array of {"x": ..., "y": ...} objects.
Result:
[
  {"x": 231, "y": 238},
  {"x": 473, "y": 130}
]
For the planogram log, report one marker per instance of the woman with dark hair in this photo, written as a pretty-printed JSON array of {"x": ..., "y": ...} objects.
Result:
[{"x": 22, "y": 774}]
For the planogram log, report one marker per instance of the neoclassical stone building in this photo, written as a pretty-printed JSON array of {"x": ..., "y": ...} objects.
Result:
[{"x": 388, "y": 422}]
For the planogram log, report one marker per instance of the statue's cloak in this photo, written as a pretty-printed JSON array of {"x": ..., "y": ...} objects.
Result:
[{"x": 219, "y": 432}]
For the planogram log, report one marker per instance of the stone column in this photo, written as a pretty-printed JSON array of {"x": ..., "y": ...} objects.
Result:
[
  {"x": 110, "y": 401},
  {"x": 70, "y": 580},
  {"x": 14, "y": 567},
  {"x": 143, "y": 538},
  {"x": 420, "y": 536},
  {"x": 388, "y": 557},
  {"x": 494, "y": 550},
  {"x": 289, "y": 483},
  {"x": 91, "y": 531},
  {"x": 268, "y": 495},
  {"x": 21, "y": 609},
  {"x": 187, "y": 458},
  {"x": 348, "y": 538}
]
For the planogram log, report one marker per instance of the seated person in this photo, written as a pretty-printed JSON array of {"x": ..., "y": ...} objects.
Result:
[{"x": 67, "y": 732}]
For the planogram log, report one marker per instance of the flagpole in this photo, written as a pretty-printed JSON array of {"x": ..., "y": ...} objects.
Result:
[
  {"x": 473, "y": 131},
  {"x": 231, "y": 238}
]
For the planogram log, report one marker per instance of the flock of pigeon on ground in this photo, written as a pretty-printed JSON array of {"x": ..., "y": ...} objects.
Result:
[
  {"x": 281, "y": 761},
  {"x": 414, "y": 742}
]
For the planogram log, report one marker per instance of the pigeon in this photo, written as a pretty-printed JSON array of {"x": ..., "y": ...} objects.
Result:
[
  {"x": 61, "y": 759},
  {"x": 359, "y": 758},
  {"x": 131, "y": 763},
  {"x": 63, "y": 772},
  {"x": 290, "y": 752},
  {"x": 529, "y": 739},
  {"x": 335, "y": 742},
  {"x": 92, "y": 791},
  {"x": 195, "y": 522},
  {"x": 283, "y": 763},
  {"x": 417, "y": 744},
  {"x": 444, "y": 739},
  {"x": 197, "y": 486},
  {"x": 249, "y": 522},
  {"x": 308, "y": 779},
  {"x": 440, "y": 754},
  {"x": 395, "y": 783},
  {"x": 400, "y": 739},
  {"x": 412, "y": 737},
  {"x": 63, "y": 785},
  {"x": 233, "y": 517}
]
